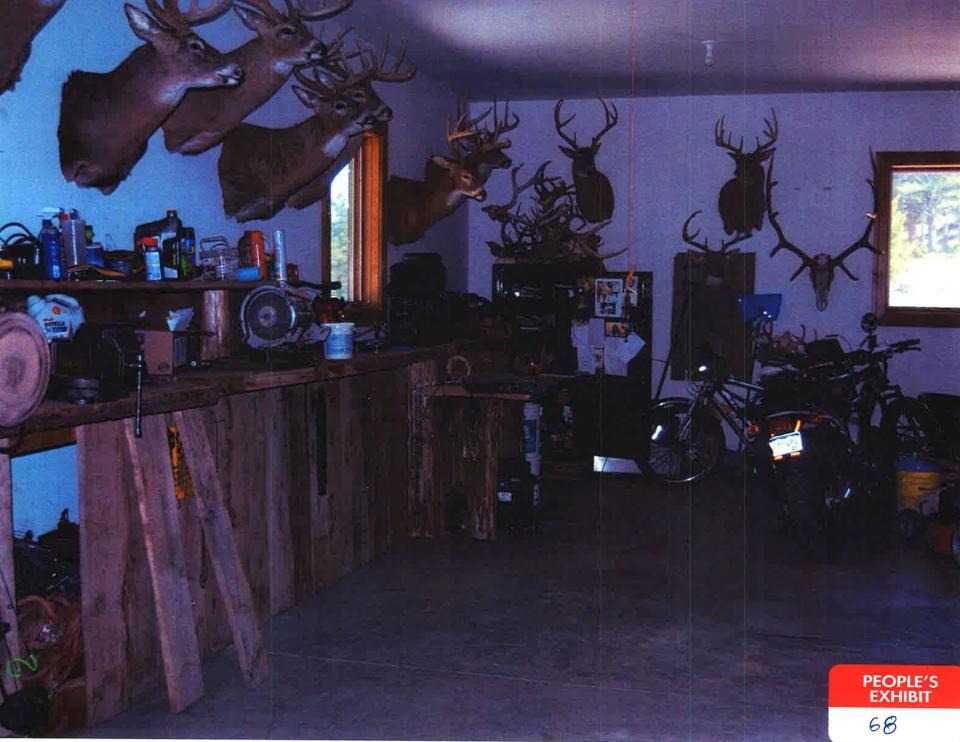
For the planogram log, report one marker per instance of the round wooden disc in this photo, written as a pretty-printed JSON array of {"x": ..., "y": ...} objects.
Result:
[{"x": 24, "y": 368}]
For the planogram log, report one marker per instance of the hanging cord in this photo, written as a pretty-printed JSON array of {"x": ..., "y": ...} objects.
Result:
[
  {"x": 631, "y": 147},
  {"x": 204, "y": 566}
]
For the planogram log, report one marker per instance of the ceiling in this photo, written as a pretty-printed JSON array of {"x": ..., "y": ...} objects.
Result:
[{"x": 584, "y": 48}]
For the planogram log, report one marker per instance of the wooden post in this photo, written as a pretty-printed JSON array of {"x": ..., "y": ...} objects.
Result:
[
  {"x": 222, "y": 548},
  {"x": 8, "y": 598},
  {"x": 217, "y": 319},
  {"x": 157, "y": 502},
  {"x": 280, "y": 570},
  {"x": 423, "y": 515},
  {"x": 104, "y": 547}
]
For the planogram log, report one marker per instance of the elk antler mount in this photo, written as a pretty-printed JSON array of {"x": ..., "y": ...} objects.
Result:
[
  {"x": 22, "y": 21},
  {"x": 107, "y": 119},
  {"x": 742, "y": 201},
  {"x": 822, "y": 266},
  {"x": 594, "y": 194},
  {"x": 283, "y": 42}
]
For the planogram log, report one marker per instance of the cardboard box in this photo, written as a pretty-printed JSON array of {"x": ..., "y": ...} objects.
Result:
[{"x": 165, "y": 351}]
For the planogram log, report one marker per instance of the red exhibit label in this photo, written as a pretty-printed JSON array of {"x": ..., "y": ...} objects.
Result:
[{"x": 895, "y": 686}]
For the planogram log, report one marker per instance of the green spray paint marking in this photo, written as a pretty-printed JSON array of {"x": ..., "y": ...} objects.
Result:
[{"x": 14, "y": 671}]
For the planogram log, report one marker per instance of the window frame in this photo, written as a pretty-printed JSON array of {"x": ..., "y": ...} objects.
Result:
[
  {"x": 887, "y": 164},
  {"x": 369, "y": 263}
]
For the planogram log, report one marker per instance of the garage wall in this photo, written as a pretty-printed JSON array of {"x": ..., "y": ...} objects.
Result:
[
  {"x": 93, "y": 35},
  {"x": 663, "y": 164}
]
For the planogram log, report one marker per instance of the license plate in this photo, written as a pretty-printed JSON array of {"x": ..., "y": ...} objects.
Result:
[{"x": 784, "y": 445}]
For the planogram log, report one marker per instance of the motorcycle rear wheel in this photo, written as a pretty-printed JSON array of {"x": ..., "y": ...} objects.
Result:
[
  {"x": 684, "y": 448},
  {"x": 815, "y": 526}
]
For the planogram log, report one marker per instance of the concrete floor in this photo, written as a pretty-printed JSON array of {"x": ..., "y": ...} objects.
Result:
[{"x": 638, "y": 613}]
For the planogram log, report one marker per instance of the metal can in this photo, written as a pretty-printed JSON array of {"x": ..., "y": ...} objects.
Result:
[
  {"x": 257, "y": 253},
  {"x": 279, "y": 255},
  {"x": 151, "y": 259}
]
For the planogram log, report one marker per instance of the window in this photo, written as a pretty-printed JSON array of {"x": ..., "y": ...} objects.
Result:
[
  {"x": 352, "y": 239},
  {"x": 918, "y": 234}
]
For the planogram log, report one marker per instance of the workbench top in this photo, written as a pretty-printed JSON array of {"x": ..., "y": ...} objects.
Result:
[{"x": 204, "y": 387}]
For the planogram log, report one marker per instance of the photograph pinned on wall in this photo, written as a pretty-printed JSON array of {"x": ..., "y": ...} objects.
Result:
[
  {"x": 608, "y": 297},
  {"x": 616, "y": 329}
]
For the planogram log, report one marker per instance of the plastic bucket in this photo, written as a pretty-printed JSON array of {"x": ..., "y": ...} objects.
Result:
[
  {"x": 914, "y": 479},
  {"x": 339, "y": 343}
]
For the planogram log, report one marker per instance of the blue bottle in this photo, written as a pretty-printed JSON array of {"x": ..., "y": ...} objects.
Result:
[{"x": 51, "y": 257}]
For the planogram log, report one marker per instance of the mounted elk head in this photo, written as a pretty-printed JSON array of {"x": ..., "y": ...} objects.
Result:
[
  {"x": 261, "y": 169},
  {"x": 416, "y": 205},
  {"x": 822, "y": 266},
  {"x": 107, "y": 119},
  {"x": 283, "y": 42},
  {"x": 593, "y": 190},
  {"x": 742, "y": 200},
  {"x": 22, "y": 21}
]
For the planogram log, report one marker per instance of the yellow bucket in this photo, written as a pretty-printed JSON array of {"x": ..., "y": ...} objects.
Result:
[{"x": 914, "y": 480}]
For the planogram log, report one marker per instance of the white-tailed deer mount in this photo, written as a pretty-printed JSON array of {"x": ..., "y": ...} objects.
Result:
[
  {"x": 594, "y": 193},
  {"x": 283, "y": 42},
  {"x": 107, "y": 119},
  {"x": 416, "y": 205},
  {"x": 22, "y": 21},
  {"x": 822, "y": 266},
  {"x": 261, "y": 168},
  {"x": 485, "y": 152},
  {"x": 714, "y": 260},
  {"x": 742, "y": 201}
]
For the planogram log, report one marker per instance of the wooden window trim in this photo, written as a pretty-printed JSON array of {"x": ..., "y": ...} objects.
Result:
[
  {"x": 369, "y": 270},
  {"x": 887, "y": 163}
]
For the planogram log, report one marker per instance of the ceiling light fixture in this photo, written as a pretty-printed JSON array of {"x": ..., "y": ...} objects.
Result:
[{"x": 708, "y": 59}]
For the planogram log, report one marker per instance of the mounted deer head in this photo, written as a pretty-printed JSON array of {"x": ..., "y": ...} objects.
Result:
[
  {"x": 822, "y": 266},
  {"x": 261, "y": 168},
  {"x": 107, "y": 119},
  {"x": 416, "y": 205},
  {"x": 594, "y": 192},
  {"x": 715, "y": 260},
  {"x": 22, "y": 21},
  {"x": 283, "y": 42},
  {"x": 742, "y": 202}
]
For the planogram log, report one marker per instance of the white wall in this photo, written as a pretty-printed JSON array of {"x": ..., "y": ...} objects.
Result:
[
  {"x": 663, "y": 164},
  {"x": 93, "y": 35}
]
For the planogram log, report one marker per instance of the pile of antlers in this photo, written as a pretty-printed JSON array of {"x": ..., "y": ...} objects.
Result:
[{"x": 550, "y": 228}]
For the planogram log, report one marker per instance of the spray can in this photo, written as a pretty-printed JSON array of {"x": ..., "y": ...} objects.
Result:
[
  {"x": 151, "y": 259},
  {"x": 51, "y": 251},
  {"x": 279, "y": 256}
]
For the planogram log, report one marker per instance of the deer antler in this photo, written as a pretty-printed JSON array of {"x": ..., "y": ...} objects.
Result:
[
  {"x": 321, "y": 13},
  {"x": 267, "y": 8},
  {"x": 501, "y": 213},
  {"x": 725, "y": 140},
  {"x": 770, "y": 131},
  {"x": 610, "y": 120},
  {"x": 691, "y": 239},
  {"x": 175, "y": 18},
  {"x": 783, "y": 243},
  {"x": 376, "y": 68},
  {"x": 491, "y": 139},
  {"x": 560, "y": 124}
]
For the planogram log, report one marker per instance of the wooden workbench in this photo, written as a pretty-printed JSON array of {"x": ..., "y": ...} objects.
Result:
[{"x": 319, "y": 472}]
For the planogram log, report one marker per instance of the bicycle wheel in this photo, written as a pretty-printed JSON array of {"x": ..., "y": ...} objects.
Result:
[
  {"x": 909, "y": 430},
  {"x": 684, "y": 448}
]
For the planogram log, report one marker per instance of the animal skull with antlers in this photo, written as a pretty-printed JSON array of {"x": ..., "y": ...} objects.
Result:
[{"x": 822, "y": 266}]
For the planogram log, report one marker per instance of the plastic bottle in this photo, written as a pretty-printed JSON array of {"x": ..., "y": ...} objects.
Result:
[
  {"x": 151, "y": 259},
  {"x": 51, "y": 256},
  {"x": 74, "y": 236},
  {"x": 279, "y": 256}
]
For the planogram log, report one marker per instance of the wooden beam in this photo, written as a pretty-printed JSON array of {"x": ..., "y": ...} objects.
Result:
[
  {"x": 8, "y": 598},
  {"x": 222, "y": 548},
  {"x": 104, "y": 553},
  {"x": 280, "y": 569},
  {"x": 157, "y": 503}
]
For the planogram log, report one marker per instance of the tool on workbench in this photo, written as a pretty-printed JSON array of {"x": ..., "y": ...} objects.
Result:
[{"x": 291, "y": 314}]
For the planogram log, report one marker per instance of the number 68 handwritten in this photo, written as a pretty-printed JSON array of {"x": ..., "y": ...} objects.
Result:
[{"x": 889, "y": 725}]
